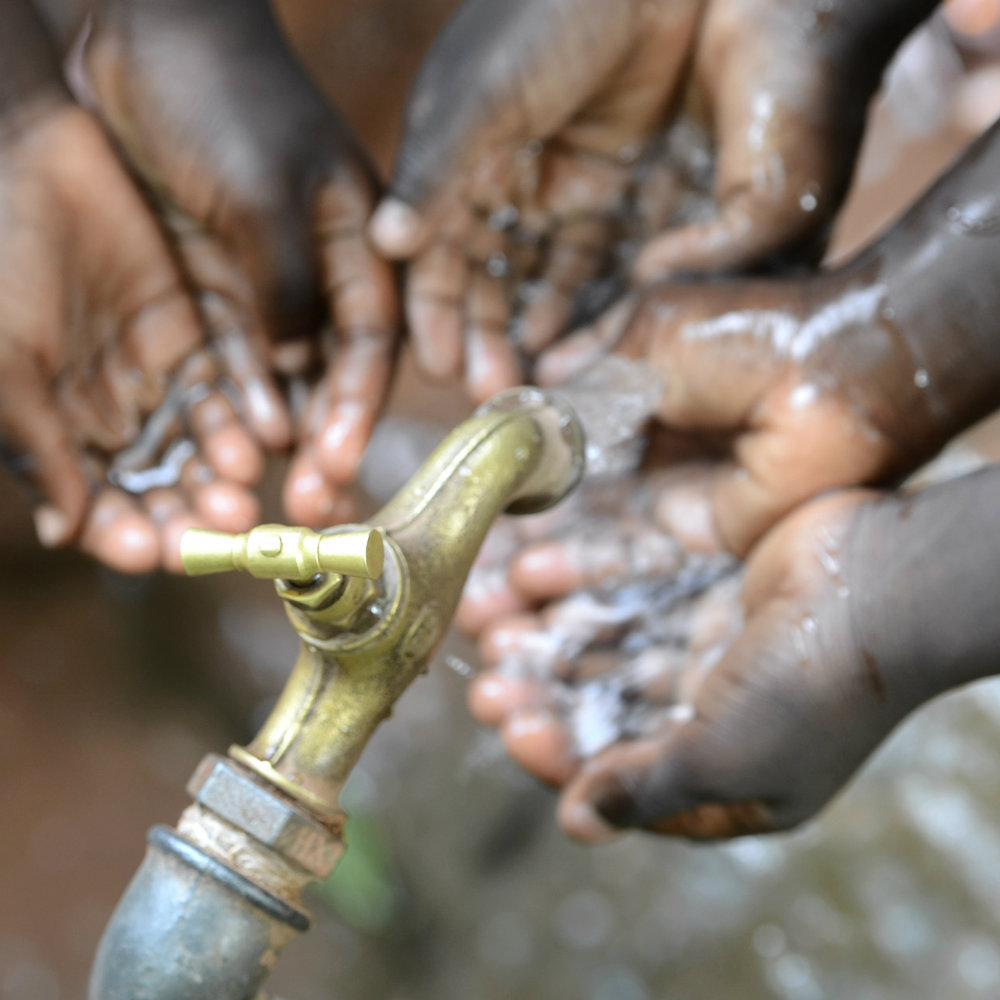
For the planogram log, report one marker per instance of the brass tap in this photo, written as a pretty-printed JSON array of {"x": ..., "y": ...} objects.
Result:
[
  {"x": 371, "y": 603},
  {"x": 364, "y": 640}
]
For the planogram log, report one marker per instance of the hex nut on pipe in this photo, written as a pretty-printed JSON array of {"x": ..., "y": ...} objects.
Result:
[{"x": 224, "y": 788}]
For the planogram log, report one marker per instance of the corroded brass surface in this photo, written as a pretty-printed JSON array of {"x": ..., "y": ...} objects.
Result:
[{"x": 364, "y": 642}]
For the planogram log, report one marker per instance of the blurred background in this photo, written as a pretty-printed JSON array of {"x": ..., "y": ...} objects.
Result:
[{"x": 457, "y": 883}]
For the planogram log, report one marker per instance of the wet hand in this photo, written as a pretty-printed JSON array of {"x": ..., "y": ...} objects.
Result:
[
  {"x": 743, "y": 709},
  {"x": 266, "y": 194},
  {"x": 521, "y": 139},
  {"x": 789, "y": 388},
  {"x": 527, "y": 152},
  {"x": 97, "y": 328}
]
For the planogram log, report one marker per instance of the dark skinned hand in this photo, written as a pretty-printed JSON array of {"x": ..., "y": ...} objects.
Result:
[
  {"x": 531, "y": 119},
  {"x": 855, "y": 610},
  {"x": 96, "y": 327},
  {"x": 266, "y": 195},
  {"x": 839, "y": 379}
]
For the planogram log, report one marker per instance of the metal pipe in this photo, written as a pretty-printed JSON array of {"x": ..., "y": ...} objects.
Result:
[{"x": 215, "y": 901}]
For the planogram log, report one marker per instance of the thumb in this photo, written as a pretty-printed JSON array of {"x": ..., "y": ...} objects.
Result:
[
  {"x": 649, "y": 785},
  {"x": 35, "y": 432},
  {"x": 752, "y": 225},
  {"x": 498, "y": 75},
  {"x": 460, "y": 105},
  {"x": 719, "y": 347}
]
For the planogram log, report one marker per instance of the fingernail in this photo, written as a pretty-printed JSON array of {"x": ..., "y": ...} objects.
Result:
[
  {"x": 51, "y": 526},
  {"x": 395, "y": 226}
]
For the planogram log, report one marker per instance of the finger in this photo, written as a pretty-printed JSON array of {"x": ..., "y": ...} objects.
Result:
[
  {"x": 309, "y": 498},
  {"x": 274, "y": 242},
  {"x": 578, "y": 252},
  {"x": 224, "y": 442},
  {"x": 800, "y": 449},
  {"x": 487, "y": 597},
  {"x": 491, "y": 363},
  {"x": 493, "y": 697},
  {"x": 491, "y": 81},
  {"x": 90, "y": 406},
  {"x": 120, "y": 535},
  {"x": 227, "y": 507},
  {"x": 574, "y": 355},
  {"x": 161, "y": 335},
  {"x": 584, "y": 618},
  {"x": 720, "y": 348},
  {"x": 223, "y": 506},
  {"x": 363, "y": 303},
  {"x": 654, "y": 675},
  {"x": 32, "y": 427},
  {"x": 750, "y": 226},
  {"x": 542, "y": 744},
  {"x": 436, "y": 288},
  {"x": 781, "y": 172},
  {"x": 457, "y": 113},
  {"x": 355, "y": 390},
  {"x": 131, "y": 394},
  {"x": 718, "y": 617},
  {"x": 648, "y": 784},
  {"x": 170, "y": 513},
  {"x": 603, "y": 795},
  {"x": 504, "y": 639},
  {"x": 240, "y": 344},
  {"x": 525, "y": 645},
  {"x": 685, "y": 508},
  {"x": 588, "y": 559}
]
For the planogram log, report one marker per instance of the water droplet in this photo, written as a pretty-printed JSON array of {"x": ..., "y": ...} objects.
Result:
[
  {"x": 460, "y": 667},
  {"x": 505, "y": 217},
  {"x": 803, "y": 396},
  {"x": 808, "y": 201},
  {"x": 497, "y": 265},
  {"x": 921, "y": 378},
  {"x": 681, "y": 712},
  {"x": 629, "y": 154}
]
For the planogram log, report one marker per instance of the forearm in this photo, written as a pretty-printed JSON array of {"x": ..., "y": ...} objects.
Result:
[
  {"x": 924, "y": 580},
  {"x": 29, "y": 66}
]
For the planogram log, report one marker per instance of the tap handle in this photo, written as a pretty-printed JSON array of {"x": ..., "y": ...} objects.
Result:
[{"x": 278, "y": 552}]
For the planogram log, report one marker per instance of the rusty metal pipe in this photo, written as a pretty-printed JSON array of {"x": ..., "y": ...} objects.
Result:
[{"x": 215, "y": 901}]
